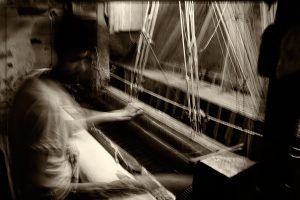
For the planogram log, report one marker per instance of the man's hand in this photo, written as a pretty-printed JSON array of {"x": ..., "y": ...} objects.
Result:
[{"x": 130, "y": 111}]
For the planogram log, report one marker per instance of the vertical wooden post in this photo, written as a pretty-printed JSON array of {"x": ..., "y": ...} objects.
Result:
[{"x": 103, "y": 48}]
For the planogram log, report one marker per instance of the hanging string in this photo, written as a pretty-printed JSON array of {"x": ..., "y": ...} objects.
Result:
[
  {"x": 225, "y": 56},
  {"x": 154, "y": 54},
  {"x": 187, "y": 79},
  {"x": 230, "y": 30},
  {"x": 214, "y": 32},
  {"x": 145, "y": 42},
  {"x": 130, "y": 36},
  {"x": 190, "y": 54},
  {"x": 148, "y": 35},
  {"x": 135, "y": 70},
  {"x": 184, "y": 35},
  {"x": 199, "y": 112},
  {"x": 194, "y": 58},
  {"x": 245, "y": 51},
  {"x": 144, "y": 47},
  {"x": 227, "y": 48},
  {"x": 236, "y": 36},
  {"x": 190, "y": 64}
]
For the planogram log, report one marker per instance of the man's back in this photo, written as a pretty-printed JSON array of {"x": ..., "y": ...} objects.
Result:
[{"x": 39, "y": 139}]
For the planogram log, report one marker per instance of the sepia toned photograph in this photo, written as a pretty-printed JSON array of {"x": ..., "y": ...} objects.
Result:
[{"x": 149, "y": 100}]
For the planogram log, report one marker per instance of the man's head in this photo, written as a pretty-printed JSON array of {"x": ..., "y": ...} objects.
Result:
[{"x": 75, "y": 40}]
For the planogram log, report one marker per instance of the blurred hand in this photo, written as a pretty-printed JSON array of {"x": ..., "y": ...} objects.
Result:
[{"x": 130, "y": 111}]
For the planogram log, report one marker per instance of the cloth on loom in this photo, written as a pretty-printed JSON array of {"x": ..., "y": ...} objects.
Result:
[
  {"x": 121, "y": 156},
  {"x": 93, "y": 169},
  {"x": 96, "y": 164}
]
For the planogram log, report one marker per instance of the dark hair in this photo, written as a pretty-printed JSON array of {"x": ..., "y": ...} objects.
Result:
[{"x": 74, "y": 35}]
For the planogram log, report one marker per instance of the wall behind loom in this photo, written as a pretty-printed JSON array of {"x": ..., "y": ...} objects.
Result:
[{"x": 17, "y": 54}]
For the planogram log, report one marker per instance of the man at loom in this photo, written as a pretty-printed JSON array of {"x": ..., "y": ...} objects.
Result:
[{"x": 53, "y": 155}]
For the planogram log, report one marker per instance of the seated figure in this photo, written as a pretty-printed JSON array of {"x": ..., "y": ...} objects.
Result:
[{"x": 52, "y": 154}]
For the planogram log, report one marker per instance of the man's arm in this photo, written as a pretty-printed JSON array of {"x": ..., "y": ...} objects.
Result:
[
  {"x": 99, "y": 190},
  {"x": 120, "y": 189},
  {"x": 127, "y": 113}
]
